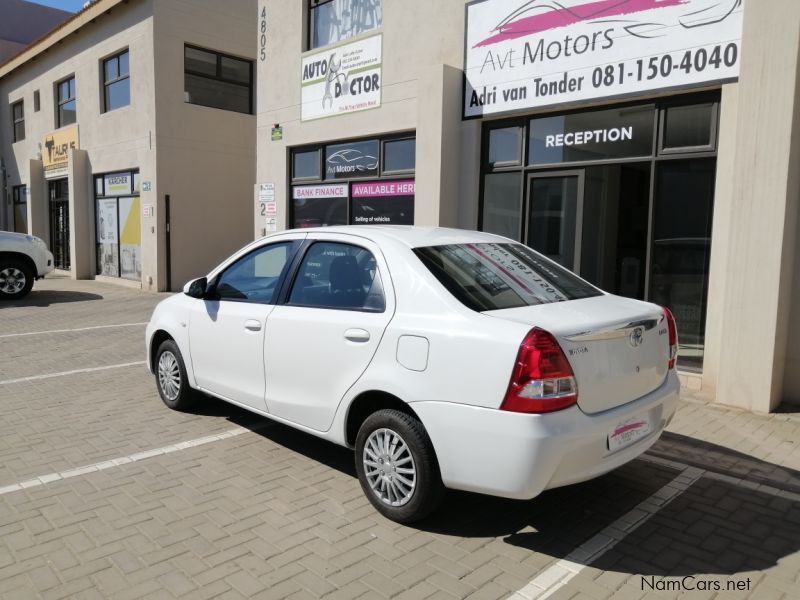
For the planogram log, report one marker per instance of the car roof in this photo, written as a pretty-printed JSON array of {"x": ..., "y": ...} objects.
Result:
[{"x": 413, "y": 236}]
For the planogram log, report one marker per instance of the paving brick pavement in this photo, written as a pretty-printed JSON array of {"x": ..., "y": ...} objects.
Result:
[{"x": 274, "y": 513}]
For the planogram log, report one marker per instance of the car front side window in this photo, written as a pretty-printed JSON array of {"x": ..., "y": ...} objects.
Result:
[
  {"x": 255, "y": 277},
  {"x": 338, "y": 276}
]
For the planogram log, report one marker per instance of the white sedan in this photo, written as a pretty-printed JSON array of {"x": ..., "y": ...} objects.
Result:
[{"x": 445, "y": 358}]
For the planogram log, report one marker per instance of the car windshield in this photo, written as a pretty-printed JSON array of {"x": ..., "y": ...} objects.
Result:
[{"x": 497, "y": 276}]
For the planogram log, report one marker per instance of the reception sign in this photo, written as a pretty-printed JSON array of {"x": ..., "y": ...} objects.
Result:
[{"x": 525, "y": 54}]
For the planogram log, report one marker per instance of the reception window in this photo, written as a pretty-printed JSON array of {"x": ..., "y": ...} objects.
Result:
[
  {"x": 623, "y": 196},
  {"x": 361, "y": 182}
]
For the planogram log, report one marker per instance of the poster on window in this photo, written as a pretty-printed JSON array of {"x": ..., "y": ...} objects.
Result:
[
  {"x": 524, "y": 54},
  {"x": 130, "y": 237},
  {"x": 319, "y": 205},
  {"x": 107, "y": 239},
  {"x": 342, "y": 79},
  {"x": 383, "y": 202}
]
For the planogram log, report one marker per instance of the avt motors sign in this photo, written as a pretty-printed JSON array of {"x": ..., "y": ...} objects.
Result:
[{"x": 536, "y": 53}]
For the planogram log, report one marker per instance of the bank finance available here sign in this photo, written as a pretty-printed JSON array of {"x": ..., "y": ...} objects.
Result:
[
  {"x": 529, "y": 54},
  {"x": 342, "y": 79}
]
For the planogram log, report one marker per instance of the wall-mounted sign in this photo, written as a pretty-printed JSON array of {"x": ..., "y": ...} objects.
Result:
[
  {"x": 147, "y": 210},
  {"x": 354, "y": 159},
  {"x": 276, "y": 133},
  {"x": 265, "y": 192},
  {"x": 383, "y": 202},
  {"x": 523, "y": 54},
  {"x": 338, "y": 190},
  {"x": 117, "y": 184},
  {"x": 593, "y": 135},
  {"x": 342, "y": 79},
  {"x": 146, "y": 186},
  {"x": 55, "y": 151}
]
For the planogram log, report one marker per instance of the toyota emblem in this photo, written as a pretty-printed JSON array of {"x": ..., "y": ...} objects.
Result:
[{"x": 636, "y": 338}]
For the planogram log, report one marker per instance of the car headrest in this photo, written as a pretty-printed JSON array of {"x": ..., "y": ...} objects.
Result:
[{"x": 345, "y": 274}]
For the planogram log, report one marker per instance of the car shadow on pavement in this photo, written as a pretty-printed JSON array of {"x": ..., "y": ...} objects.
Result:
[
  {"x": 314, "y": 448},
  {"x": 713, "y": 528},
  {"x": 719, "y": 459},
  {"x": 45, "y": 298}
]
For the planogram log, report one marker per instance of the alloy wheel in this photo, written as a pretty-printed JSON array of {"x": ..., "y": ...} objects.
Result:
[
  {"x": 12, "y": 280},
  {"x": 169, "y": 375},
  {"x": 389, "y": 467}
]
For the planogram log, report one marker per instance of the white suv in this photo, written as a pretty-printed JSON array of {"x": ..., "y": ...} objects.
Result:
[{"x": 23, "y": 259}]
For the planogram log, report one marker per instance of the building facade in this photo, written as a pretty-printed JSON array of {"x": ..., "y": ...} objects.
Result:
[
  {"x": 128, "y": 139},
  {"x": 650, "y": 146}
]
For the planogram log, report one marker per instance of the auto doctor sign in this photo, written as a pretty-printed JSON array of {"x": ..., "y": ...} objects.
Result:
[
  {"x": 530, "y": 54},
  {"x": 342, "y": 79}
]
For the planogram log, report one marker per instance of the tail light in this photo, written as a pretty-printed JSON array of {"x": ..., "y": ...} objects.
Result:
[
  {"x": 673, "y": 338},
  {"x": 542, "y": 380}
]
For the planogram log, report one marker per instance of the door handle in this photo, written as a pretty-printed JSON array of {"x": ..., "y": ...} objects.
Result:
[
  {"x": 357, "y": 335},
  {"x": 252, "y": 325}
]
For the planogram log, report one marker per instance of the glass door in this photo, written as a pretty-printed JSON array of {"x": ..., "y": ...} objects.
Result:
[
  {"x": 59, "y": 224},
  {"x": 555, "y": 216}
]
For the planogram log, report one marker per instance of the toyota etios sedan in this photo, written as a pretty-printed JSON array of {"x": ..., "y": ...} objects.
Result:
[{"x": 445, "y": 358}]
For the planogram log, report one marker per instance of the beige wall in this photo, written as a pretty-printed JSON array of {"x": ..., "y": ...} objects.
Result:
[
  {"x": 421, "y": 91},
  {"x": 113, "y": 141},
  {"x": 753, "y": 258},
  {"x": 206, "y": 156}
]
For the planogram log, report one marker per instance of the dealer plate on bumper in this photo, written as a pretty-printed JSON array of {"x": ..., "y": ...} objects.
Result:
[{"x": 629, "y": 431}]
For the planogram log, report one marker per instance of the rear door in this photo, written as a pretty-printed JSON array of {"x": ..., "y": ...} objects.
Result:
[{"x": 323, "y": 338}]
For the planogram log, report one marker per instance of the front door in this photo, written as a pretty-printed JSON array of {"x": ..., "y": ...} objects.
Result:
[
  {"x": 59, "y": 224},
  {"x": 555, "y": 216},
  {"x": 226, "y": 330},
  {"x": 320, "y": 342}
]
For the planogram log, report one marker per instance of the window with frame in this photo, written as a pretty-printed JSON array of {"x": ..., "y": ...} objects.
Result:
[
  {"x": 66, "y": 110},
  {"x": 338, "y": 276},
  {"x": 218, "y": 80},
  {"x": 18, "y": 120},
  {"x": 367, "y": 181},
  {"x": 20, "y": 196},
  {"x": 256, "y": 276},
  {"x": 116, "y": 81},
  {"x": 332, "y": 21}
]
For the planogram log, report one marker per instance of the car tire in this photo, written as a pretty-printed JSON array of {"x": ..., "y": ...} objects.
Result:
[
  {"x": 16, "y": 279},
  {"x": 402, "y": 481},
  {"x": 171, "y": 379}
]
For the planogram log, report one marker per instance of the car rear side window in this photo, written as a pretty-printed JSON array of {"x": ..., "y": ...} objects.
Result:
[
  {"x": 497, "y": 276},
  {"x": 342, "y": 276}
]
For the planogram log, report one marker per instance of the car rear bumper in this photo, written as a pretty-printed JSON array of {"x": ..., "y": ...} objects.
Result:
[{"x": 517, "y": 455}]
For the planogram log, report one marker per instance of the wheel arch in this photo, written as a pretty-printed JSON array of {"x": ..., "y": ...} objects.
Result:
[
  {"x": 367, "y": 403},
  {"x": 158, "y": 338},
  {"x": 21, "y": 256}
]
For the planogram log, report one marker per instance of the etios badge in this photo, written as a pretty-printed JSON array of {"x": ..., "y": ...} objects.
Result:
[{"x": 636, "y": 338}]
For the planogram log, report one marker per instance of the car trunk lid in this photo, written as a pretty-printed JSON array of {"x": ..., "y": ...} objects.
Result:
[{"x": 618, "y": 348}]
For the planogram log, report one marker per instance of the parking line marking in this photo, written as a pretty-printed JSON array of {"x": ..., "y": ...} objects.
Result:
[
  {"x": 74, "y": 372},
  {"x": 11, "y": 335},
  {"x": 123, "y": 460},
  {"x": 555, "y": 577},
  {"x": 723, "y": 478}
]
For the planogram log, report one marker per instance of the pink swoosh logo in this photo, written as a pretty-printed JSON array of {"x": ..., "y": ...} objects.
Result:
[
  {"x": 563, "y": 17},
  {"x": 629, "y": 427}
]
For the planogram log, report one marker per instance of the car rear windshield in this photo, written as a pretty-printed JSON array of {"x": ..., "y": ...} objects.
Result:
[{"x": 497, "y": 276}]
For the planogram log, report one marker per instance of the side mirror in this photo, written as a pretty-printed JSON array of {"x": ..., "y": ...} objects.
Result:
[{"x": 196, "y": 288}]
